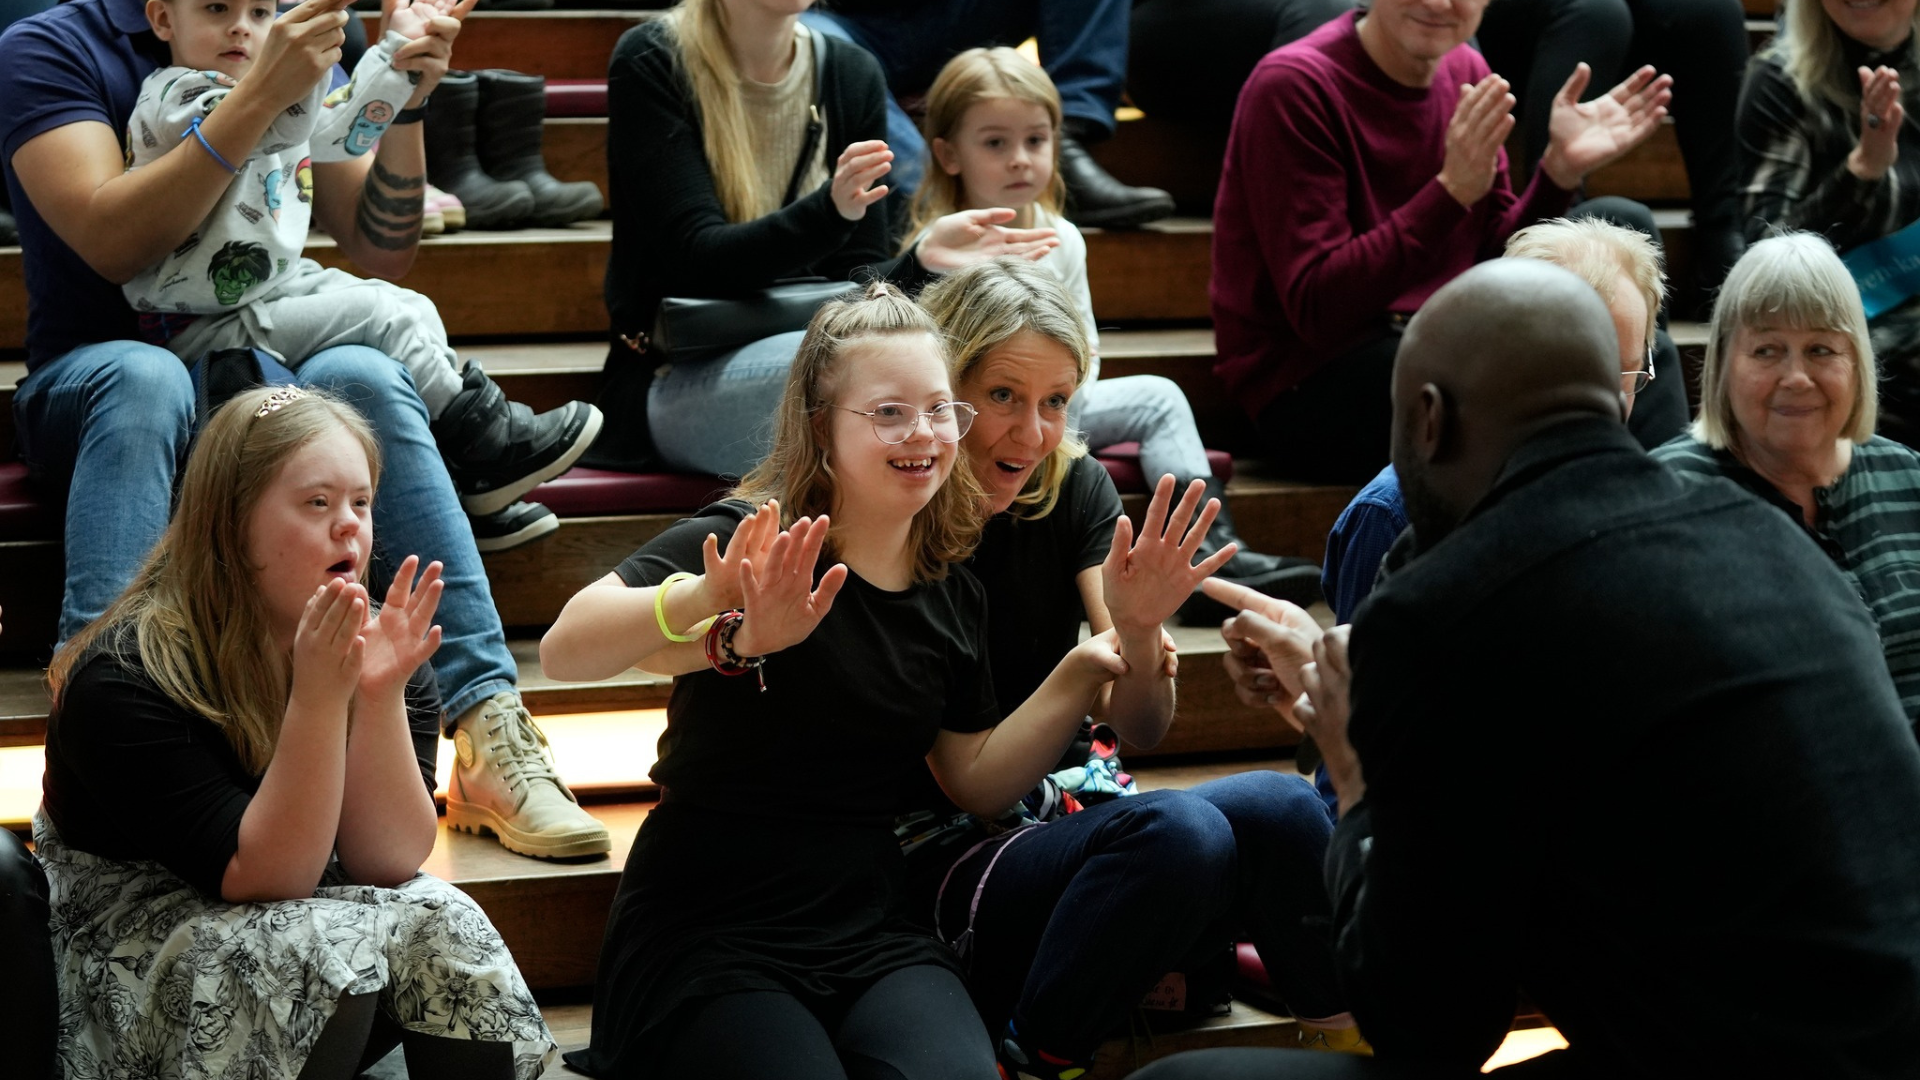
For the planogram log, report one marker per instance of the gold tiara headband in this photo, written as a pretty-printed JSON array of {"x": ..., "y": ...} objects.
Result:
[{"x": 279, "y": 399}]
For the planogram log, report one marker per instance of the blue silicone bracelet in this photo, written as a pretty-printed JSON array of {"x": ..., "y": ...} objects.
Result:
[{"x": 193, "y": 129}]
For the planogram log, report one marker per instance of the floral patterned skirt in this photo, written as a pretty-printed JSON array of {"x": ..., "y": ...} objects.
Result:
[{"x": 158, "y": 980}]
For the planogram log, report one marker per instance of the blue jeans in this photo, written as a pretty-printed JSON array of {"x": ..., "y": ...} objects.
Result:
[
  {"x": 1081, "y": 916},
  {"x": 110, "y": 424},
  {"x": 715, "y": 415},
  {"x": 1152, "y": 411},
  {"x": 1083, "y": 46}
]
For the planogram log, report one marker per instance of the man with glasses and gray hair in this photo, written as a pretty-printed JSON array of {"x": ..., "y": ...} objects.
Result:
[{"x": 1623, "y": 266}]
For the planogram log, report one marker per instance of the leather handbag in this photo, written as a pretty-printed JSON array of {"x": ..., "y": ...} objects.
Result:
[{"x": 690, "y": 325}]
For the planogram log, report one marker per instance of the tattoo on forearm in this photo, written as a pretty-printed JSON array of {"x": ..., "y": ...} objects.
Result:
[
  {"x": 397, "y": 182},
  {"x": 394, "y": 206},
  {"x": 390, "y": 209}
]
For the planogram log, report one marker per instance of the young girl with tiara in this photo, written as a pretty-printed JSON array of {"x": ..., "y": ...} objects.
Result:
[
  {"x": 993, "y": 130},
  {"x": 239, "y": 791},
  {"x": 828, "y": 651}
]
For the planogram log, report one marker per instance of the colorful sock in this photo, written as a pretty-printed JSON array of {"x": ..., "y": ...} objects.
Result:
[{"x": 1018, "y": 1062}]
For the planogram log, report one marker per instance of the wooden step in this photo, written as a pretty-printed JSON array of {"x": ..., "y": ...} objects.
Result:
[{"x": 556, "y": 44}]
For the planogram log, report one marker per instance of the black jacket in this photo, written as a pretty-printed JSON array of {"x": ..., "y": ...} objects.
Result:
[
  {"x": 670, "y": 237},
  {"x": 1689, "y": 824}
]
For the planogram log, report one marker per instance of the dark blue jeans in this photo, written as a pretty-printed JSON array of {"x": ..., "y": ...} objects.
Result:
[
  {"x": 1083, "y": 46},
  {"x": 1080, "y": 917}
]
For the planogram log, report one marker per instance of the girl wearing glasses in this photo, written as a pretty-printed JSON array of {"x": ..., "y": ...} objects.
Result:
[{"x": 826, "y": 646}]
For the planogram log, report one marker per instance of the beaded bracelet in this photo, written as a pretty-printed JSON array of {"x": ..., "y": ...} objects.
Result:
[
  {"x": 720, "y": 654},
  {"x": 193, "y": 129},
  {"x": 660, "y": 611}
]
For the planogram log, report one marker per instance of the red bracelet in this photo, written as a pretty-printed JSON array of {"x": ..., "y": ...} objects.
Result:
[{"x": 718, "y": 642}]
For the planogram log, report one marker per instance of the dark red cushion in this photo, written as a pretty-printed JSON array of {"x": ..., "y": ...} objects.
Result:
[
  {"x": 576, "y": 97},
  {"x": 24, "y": 513},
  {"x": 1123, "y": 464},
  {"x": 1247, "y": 959},
  {"x": 582, "y": 492}
]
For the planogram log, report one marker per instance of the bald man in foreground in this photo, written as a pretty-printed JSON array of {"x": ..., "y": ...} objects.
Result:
[{"x": 1688, "y": 834}]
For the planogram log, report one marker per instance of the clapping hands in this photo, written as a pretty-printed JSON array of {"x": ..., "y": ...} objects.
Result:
[{"x": 401, "y": 636}]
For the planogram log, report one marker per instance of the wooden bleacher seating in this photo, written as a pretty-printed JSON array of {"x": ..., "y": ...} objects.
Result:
[{"x": 528, "y": 305}]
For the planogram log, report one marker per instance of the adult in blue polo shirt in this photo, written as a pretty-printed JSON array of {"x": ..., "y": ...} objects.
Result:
[{"x": 107, "y": 417}]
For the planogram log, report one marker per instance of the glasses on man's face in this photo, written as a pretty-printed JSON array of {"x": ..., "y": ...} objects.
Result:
[
  {"x": 1632, "y": 382},
  {"x": 895, "y": 422}
]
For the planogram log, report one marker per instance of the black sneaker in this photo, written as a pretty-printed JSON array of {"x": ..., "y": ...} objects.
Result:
[
  {"x": 498, "y": 450},
  {"x": 1098, "y": 201},
  {"x": 509, "y": 528},
  {"x": 1280, "y": 576}
]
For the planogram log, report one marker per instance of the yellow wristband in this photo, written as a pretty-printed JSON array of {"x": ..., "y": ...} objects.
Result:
[{"x": 660, "y": 610}]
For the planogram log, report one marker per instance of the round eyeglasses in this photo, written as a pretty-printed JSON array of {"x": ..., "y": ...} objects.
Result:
[
  {"x": 895, "y": 422},
  {"x": 1632, "y": 382}
]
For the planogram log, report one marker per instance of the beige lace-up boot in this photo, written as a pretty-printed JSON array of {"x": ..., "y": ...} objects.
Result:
[{"x": 504, "y": 784}]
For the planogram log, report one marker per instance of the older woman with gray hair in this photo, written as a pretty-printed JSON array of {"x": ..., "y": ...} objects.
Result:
[
  {"x": 1788, "y": 400},
  {"x": 1828, "y": 133}
]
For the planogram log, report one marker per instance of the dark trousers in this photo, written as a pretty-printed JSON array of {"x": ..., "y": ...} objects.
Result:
[
  {"x": 1081, "y": 916},
  {"x": 1083, "y": 44},
  {"x": 1246, "y": 1064},
  {"x": 912, "y": 1024},
  {"x": 1334, "y": 427},
  {"x": 1189, "y": 58},
  {"x": 29, "y": 996},
  {"x": 1701, "y": 43}
]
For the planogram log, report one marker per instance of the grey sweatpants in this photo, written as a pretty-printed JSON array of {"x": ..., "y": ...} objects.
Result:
[{"x": 317, "y": 309}]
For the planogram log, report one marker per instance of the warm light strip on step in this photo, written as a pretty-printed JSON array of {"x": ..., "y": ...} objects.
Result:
[
  {"x": 592, "y": 750},
  {"x": 1523, "y": 1044}
]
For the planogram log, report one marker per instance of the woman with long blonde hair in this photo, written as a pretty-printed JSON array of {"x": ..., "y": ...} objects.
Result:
[
  {"x": 1831, "y": 144},
  {"x": 744, "y": 150},
  {"x": 239, "y": 789},
  {"x": 828, "y": 650}
]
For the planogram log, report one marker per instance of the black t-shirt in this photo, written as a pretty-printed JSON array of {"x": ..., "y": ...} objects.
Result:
[
  {"x": 851, "y": 712},
  {"x": 133, "y": 776},
  {"x": 1028, "y": 566}
]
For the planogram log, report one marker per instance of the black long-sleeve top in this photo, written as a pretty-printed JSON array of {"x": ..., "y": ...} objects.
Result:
[
  {"x": 1737, "y": 896},
  {"x": 670, "y": 235}
]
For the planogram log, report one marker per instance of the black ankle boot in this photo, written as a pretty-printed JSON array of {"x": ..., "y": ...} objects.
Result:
[
  {"x": 1285, "y": 577},
  {"x": 9, "y": 230},
  {"x": 498, "y": 450},
  {"x": 513, "y": 110},
  {"x": 1097, "y": 200},
  {"x": 453, "y": 167}
]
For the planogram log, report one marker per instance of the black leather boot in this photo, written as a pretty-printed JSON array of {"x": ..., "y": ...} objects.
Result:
[
  {"x": 498, "y": 450},
  {"x": 513, "y": 110},
  {"x": 452, "y": 166},
  {"x": 1285, "y": 577},
  {"x": 9, "y": 230},
  {"x": 1094, "y": 198}
]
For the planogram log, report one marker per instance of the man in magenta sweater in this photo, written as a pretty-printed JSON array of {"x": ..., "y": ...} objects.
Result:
[{"x": 1365, "y": 170}]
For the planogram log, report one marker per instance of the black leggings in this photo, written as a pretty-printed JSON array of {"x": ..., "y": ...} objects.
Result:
[
  {"x": 29, "y": 994},
  {"x": 913, "y": 1024}
]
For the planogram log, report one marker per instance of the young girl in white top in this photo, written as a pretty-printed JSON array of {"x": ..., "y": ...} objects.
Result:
[{"x": 993, "y": 130}]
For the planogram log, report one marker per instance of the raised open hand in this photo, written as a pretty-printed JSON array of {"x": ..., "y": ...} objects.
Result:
[
  {"x": 972, "y": 236},
  {"x": 327, "y": 646},
  {"x": 782, "y": 604},
  {"x": 1584, "y": 135},
  {"x": 855, "y": 176},
  {"x": 721, "y": 585},
  {"x": 1146, "y": 581},
  {"x": 402, "y": 635},
  {"x": 1268, "y": 644},
  {"x": 1881, "y": 115}
]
